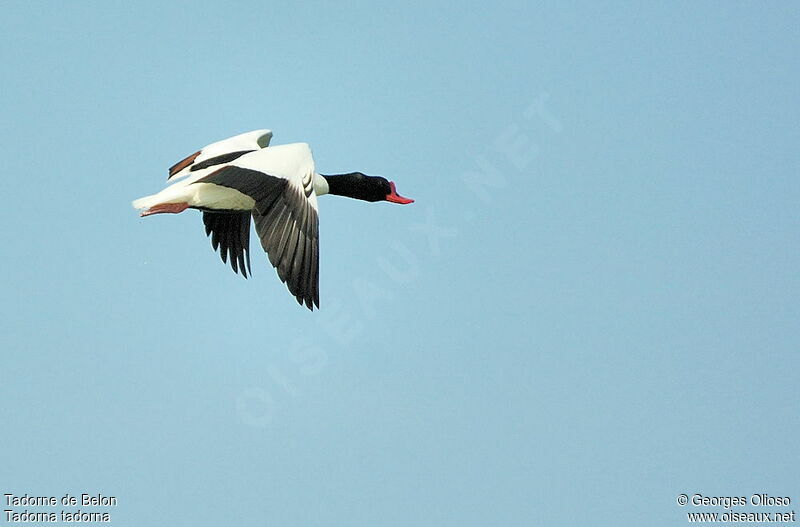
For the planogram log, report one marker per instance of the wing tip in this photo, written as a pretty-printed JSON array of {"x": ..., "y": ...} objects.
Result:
[{"x": 183, "y": 163}]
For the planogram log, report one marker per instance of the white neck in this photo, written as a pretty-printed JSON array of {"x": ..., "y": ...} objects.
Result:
[{"x": 320, "y": 185}]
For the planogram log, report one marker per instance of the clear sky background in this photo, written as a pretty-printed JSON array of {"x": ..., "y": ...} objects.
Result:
[{"x": 591, "y": 308}]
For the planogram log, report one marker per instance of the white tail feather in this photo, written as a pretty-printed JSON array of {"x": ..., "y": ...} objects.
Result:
[
  {"x": 145, "y": 202},
  {"x": 173, "y": 194}
]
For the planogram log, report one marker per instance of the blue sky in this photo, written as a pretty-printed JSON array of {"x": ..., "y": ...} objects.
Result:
[{"x": 591, "y": 308}]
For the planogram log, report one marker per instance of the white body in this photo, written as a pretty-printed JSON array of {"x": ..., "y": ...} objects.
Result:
[{"x": 293, "y": 162}]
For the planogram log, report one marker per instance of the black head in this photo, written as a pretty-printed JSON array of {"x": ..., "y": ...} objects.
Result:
[{"x": 367, "y": 188}]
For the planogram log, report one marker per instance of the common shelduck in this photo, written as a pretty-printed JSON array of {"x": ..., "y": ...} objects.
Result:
[{"x": 231, "y": 180}]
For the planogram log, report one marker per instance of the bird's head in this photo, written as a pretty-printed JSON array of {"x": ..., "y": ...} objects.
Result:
[{"x": 367, "y": 188}]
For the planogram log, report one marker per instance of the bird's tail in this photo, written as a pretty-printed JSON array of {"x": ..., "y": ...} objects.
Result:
[{"x": 146, "y": 202}]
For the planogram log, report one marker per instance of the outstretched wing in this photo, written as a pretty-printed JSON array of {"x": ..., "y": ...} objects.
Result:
[
  {"x": 230, "y": 232},
  {"x": 285, "y": 213},
  {"x": 220, "y": 152},
  {"x": 288, "y": 228}
]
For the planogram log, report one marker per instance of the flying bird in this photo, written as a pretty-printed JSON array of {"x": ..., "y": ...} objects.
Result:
[{"x": 241, "y": 177}]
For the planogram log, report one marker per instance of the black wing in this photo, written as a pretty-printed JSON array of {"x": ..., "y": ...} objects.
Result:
[
  {"x": 230, "y": 232},
  {"x": 287, "y": 225}
]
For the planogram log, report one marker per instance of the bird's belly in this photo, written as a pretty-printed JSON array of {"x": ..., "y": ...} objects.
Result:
[{"x": 211, "y": 196}]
